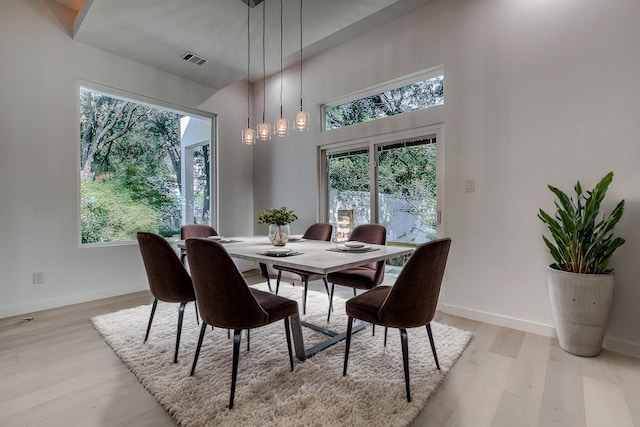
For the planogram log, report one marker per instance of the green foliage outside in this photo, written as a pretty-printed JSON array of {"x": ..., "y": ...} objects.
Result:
[
  {"x": 413, "y": 97},
  {"x": 130, "y": 167},
  {"x": 109, "y": 214}
]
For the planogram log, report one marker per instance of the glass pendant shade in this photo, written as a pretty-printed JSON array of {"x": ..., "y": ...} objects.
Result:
[
  {"x": 249, "y": 136},
  {"x": 264, "y": 131},
  {"x": 282, "y": 127},
  {"x": 302, "y": 121}
]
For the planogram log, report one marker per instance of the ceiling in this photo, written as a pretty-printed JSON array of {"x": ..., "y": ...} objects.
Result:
[{"x": 159, "y": 32}]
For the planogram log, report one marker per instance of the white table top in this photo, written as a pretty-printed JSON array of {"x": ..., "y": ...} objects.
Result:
[{"x": 315, "y": 256}]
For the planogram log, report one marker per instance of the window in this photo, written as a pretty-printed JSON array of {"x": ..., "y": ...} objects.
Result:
[
  {"x": 143, "y": 167},
  {"x": 385, "y": 101},
  {"x": 397, "y": 187},
  {"x": 406, "y": 181}
]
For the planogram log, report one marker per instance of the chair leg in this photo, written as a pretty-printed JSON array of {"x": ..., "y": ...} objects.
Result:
[
  {"x": 326, "y": 287},
  {"x": 278, "y": 281},
  {"x": 265, "y": 274},
  {"x": 195, "y": 304},
  {"x": 248, "y": 339},
  {"x": 347, "y": 345},
  {"x": 179, "y": 333},
  {"x": 305, "y": 283},
  {"x": 433, "y": 346},
  {"x": 203, "y": 329},
  {"x": 237, "y": 334},
  {"x": 385, "y": 335},
  {"x": 354, "y": 292},
  {"x": 405, "y": 360},
  {"x": 288, "y": 333},
  {"x": 373, "y": 329},
  {"x": 330, "y": 302},
  {"x": 153, "y": 311}
]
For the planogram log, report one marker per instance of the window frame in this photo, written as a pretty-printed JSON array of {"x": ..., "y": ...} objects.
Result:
[
  {"x": 372, "y": 144},
  {"x": 156, "y": 103}
]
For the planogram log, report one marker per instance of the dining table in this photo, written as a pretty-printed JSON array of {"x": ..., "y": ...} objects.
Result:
[{"x": 309, "y": 255}]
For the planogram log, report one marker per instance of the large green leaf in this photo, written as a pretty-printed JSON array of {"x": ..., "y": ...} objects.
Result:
[{"x": 580, "y": 242}]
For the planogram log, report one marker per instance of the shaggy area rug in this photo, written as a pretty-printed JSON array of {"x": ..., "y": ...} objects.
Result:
[{"x": 267, "y": 392}]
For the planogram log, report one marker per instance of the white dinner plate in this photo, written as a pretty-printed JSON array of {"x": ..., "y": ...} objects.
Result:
[
  {"x": 278, "y": 251},
  {"x": 354, "y": 244},
  {"x": 215, "y": 237}
]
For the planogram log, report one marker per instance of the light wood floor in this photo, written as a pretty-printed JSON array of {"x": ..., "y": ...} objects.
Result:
[{"x": 56, "y": 370}]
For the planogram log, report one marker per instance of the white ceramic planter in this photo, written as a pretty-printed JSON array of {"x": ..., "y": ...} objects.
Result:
[{"x": 580, "y": 304}]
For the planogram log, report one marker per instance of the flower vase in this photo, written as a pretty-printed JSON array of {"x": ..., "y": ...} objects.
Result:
[{"x": 279, "y": 234}]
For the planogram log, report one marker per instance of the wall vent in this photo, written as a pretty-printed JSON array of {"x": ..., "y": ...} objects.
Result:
[{"x": 192, "y": 57}]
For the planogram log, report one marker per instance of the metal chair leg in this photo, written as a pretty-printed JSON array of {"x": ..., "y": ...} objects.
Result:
[
  {"x": 248, "y": 339},
  {"x": 347, "y": 345},
  {"x": 195, "y": 304},
  {"x": 385, "y": 335},
  {"x": 433, "y": 346},
  {"x": 405, "y": 360},
  {"x": 203, "y": 329},
  {"x": 288, "y": 333},
  {"x": 265, "y": 274},
  {"x": 305, "y": 283},
  {"x": 330, "y": 302},
  {"x": 326, "y": 287},
  {"x": 153, "y": 311},
  {"x": 179, "y": 333},
  {"x": 278, "y": 281},
  {"x": 237, "y": 334},
  {"x": 373, "y": 329}
]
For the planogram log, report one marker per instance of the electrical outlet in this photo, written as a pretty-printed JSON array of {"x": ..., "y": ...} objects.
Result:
[{"x": 38, "y": 278}]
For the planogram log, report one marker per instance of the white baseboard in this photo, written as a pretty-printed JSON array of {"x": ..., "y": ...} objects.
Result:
[
  {"x": 495, "y": 319},
  {"x": 68, "y": 300},
  {"x": 610, "y": 343},
  {"x": 621, "y": 346}
]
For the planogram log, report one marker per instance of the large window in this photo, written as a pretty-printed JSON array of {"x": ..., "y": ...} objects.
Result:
[
  {"x": 386, "y": 100},
  {"x": 143, "y": 167}
]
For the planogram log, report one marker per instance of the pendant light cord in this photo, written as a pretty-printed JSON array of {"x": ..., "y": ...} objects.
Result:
[
  {"x": 248, "y": 65},
  {"x": 300, "y": 55},
  {"x": 264, "y": 74},
  {"x": 281, "y": 31}
]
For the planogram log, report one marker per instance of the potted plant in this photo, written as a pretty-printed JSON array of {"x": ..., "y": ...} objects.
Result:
[
  {"x": 580, "y": 280},
  {"x": 278, "y": 220}
]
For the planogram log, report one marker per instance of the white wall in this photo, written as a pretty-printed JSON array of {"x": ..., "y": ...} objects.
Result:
[
  {"x": 537, "y": 92},
  {"x": 39, "y": 159}
]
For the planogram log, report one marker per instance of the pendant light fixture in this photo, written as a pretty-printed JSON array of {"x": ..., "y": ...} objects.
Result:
[
  {"x": 302, "y": 118},
  {"x": 264, "y": 128},
  {"x": 282, "y": 125},
  {"x": 248, "y": 134}
]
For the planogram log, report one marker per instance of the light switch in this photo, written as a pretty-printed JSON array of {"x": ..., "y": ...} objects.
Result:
[{"x": 470, "y": 186}]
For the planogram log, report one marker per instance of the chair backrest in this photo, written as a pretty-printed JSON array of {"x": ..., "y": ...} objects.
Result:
[
  {"x": 374, "y": 234},
  {"x": 319, "y": 231},
  {"x": 168, "y": 279},
  {"x": 412, "y": 300},
  {"x": 224, "y": 299},
  {"x": 189, "y": 231}
]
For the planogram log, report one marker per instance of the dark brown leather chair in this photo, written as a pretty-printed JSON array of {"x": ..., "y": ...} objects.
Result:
[
  {"x": 410, "y": 303},
  {"x": 168, "y": 279},
  {"x": 317, "y": 231},
  {"x": 225, "y": 300},
  {"x": 366, "y": 276},
  {"x": 190, "y": 231}
]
